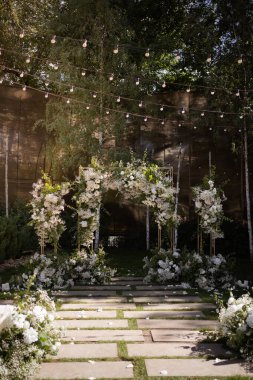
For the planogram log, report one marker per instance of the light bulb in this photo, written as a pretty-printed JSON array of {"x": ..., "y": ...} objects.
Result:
[
  {"x": 239, "y": 61},
  {"x": 56, "y": 67},
  {"x": 239, "y": 130},
  {"x": 145, "y": 118},
  {"x": 161, "y": 108},
  {"x": 21, "y": 74},
  {"x": 180, "y": 125},
  {"x": 68, "y": 101},
  {"x": 85, "y": 44},
  {"x": 53, "y": 40},
  {"x": 118, "y": 99},
  {"x": 71, "y": 89},
  {"x": 202, "y": 114},
  {"x": 22, "y": 34},
  {"x": 127, "y": 115},
  {"x": 111, "y": 77},
  {"x": 209, "y": 59},
  {"x": 221, "y": 116},
  {"x": 164, "y": 84},
  {"x": 194, "y": 127},
  {"x": 188, "y": 89},
  {"x": 147, "y": 53},
  {"x": 0, "y": 51},
  {"x": 177, "y": 57},
  {"x": 46, "y": 84},
  {"x": 183, "y": 110},
  {"x": 116, "y": 49},
  {"x": 107, "y": 112},
  {"x": 1, "y": 80},
  {"x": 141, "y": 104},
  {"x": 46, "y": 95},
  {"x": 87, "y": 107},
  {"x": 162, "y": 122},
  {"x": 212, "y": 92},
  {"x": 83, "y": 73},
  {"x": 210, "y": 129},
  {"x": 24, "y": 88},
  {"x": 238, "y": 93},
  {"x": 241, "y": 116},
  {"x": 137, "y": 81},
  {"x": 28, "y": 59},
  {"x": 94, "y": 95},
  {"x": 225, "y": 130}
]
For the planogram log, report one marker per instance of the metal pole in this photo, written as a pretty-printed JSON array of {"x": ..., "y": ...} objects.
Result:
[
  {"x": 6, "y": 178},
  {"x": 147, "y": 229}
]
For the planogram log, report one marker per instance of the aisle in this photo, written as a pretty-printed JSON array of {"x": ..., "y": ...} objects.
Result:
[{"x": 130, "y": 330}]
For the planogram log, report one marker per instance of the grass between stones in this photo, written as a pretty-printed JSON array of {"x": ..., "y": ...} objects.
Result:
[{"x": 132, "y": 324}]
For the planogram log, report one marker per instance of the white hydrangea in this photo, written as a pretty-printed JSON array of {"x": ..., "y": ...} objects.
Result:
[{"x": 30, "y": 335}]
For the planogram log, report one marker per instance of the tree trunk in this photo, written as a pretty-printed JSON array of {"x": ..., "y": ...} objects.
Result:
[
  {"x": 6, "y": 178},
  {"x": 147, "y": 229},
  {"x": 247, "y": 190},
  {"x": 177, "y": 198},
  {"x": 97, "y": 234}
]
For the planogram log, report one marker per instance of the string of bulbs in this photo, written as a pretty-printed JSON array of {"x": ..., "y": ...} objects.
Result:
[
  {"x": 118, "y": 99},
  {"x": 138, "y": 78}
]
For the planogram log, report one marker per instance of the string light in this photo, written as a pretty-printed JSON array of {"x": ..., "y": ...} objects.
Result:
[
  {"x": 225, "y": 130},
  {"x": 238, "y": 93},
  {"x": 116, "y": 49},
  {"x": 24, "y": 88},
  {"x": 188, "y": 89},
  {"x": 118, "y": 99},
  {"x": 46, "y": 84},
  {"x": 202, "y": 114},
  {"x": 28, "y": 59},
  {"x": 177, "y": 57},
  {"x": 53, "y": 40},
  {"x": 164, "y": 84},
  {"x": 83, "y": 73},
  {"x": 87, "y": 107},
  {"x": 94, "y": 95},
  {"x": 183, "y": 111},
  {"x": 85, "y": 44},
  {"x": 68, "y": 101},
  {"x": 111, "y": 77},
  {"x": 137, "y": 81},
  {"x": 209, "y": 59},
  {"x": 221, "y": 116},
  {"x": 46, "y": 95},
  {"x": 107, "y": 112},
  {"x": 21, "y": 74},
  {"x": 194, "y": 127},
  {"x": 210, "y": 129},
  {"x": 212, "y": 92},
  {"x": 1, "y": 80},
  {"x": 127, "y": 115},
  {"x": 161, "y": 108},
  {"x": 145, "y": 118},
  {"x": 0, "y": 51},
  {"x": 141, "y": 104},
  {"x": 241, "y": 116},
  {"x": 239, "y": 60},
  {"x": 22, "y": 34},
  {"x": 147, "y": 53},
  {"x": 239, "y": 130},
  {"x": 162, "y": 122},
  {"x": 56, "y": 66},
  {"x": 71, "y": 89}
]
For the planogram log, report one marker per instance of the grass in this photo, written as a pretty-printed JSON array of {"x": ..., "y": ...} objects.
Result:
[{"x": 126, "y": 262}]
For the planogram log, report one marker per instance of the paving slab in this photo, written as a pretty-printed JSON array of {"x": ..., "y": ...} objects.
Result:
[
  {"x": 103, "y": 335},
  {"x": 177, "y": 349},
  {"x": 96, "y": 306},
  {"x": 163, "y": 314},
  {"x": 6, "y": 302},
  {"x": 166, "y": 299},
  {"x": 160, "y": 287},
  {"x": 87, "y": 293},
  {"x": 91, "y": 323},
  {"x": 150, "y": 293},
  {"x": 85, "y": 370},
  {"x": 99, "y": 287},
  {"x": 167, "y": 335},
  {"x": 86, "y": 351},
  {"x": 197, "y": 367},
  {"x": 180, "y": 306},
  {"x": 176, "y": 324},
  {"x": 126, "y": 278},
  {"x": 92, "y": 300},
  {"x": 70, "y": 314}
]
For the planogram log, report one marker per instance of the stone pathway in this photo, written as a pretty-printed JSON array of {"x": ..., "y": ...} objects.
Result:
[{"x": 131, "y": 330}]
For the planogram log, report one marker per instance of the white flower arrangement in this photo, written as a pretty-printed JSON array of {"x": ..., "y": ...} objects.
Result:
[
  {"x": 27, "y": 337},
  {"x": 236, "y": 325},
  {"x": 208, "y": 205}
]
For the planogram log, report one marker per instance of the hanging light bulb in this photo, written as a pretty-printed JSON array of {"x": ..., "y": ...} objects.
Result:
[
  {"x": 46, "y": 95},
  {"x": 107, "y": 112},
  {"x": 111, "y": 77},
  {"x": 83, "y": 73},
  {"x": 87, "y": 107},
  {"x": 238, "y": 93},
  {"x": 53, "y": 40},
  {"x": 212, "y": 92},
  {"x": 241, "y": 116},
  {"x": 71, "y": 89},
  {"x": 194, "y": 127},
  {"x": 162, "y": 122},
  {"x": 210, "y": 129},
  {"x": 177, "y": 57},
  {"x": 22, "y": 34},
  {"x": 0, "y": 51},
  {"x": 209, "y": 58},
  {"x": 183, "y": 111},
  {"x": 202, "y": 114},
  {"x": 221, "y": 116},
  {"x": 225, "y": 130},
  {"x": 239, "y": 130},
  {"x": 239, "y": 60},
  {"x": 56, "y": 66},
  {"x": 141, "y": 104},
  {"x": 127, "y": 115},
  {"x": 68, "y": 101},
  {"x": 145, "y": 118},
  {"x": 180, "y": 125},
  {"x": 85, "y": 44},
  {"x": 118, "y": 99},
  {"x": 94, "y": 95},
  {"x": 137, "y": 82},
  {"x": 47, "y": 84},
  {"x": 161, "y": 108},
  {"x": 116, "y": 49},
  {"x": 188, "y": 89},
  {"x": 1, "y": 80},
  {"x": 147, "y": 53},
  {"x": 24, "y": 88},
  {"x": 164, "y": 84},
  {"x": 21, "y": 74},
  {"x": 28, "y": 59}
]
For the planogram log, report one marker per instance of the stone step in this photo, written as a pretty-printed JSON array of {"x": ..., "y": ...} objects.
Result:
[
  {"x": 91, "y": 323},
  {"x": 160, "y": 287},
  {"x": 103, "y": 335},
  {"x": 70, "y": 314},
  {"x": 6, "y": 302},
  {"x": 153, "y": 293},
  {"x": 197, "y": 367},
  {"x": 167, "y": 335},
  {"x": 166, "y": 299},
  {"x": 126, "y": 278},
  {"x": 177, "y": 349},
  {"x": 163, "y": 314},
  {"x": 90, "y": 288},
  {"x": 180, "y": 306},
  {"x": 176, "y": 324},
  {"x": 85, "y": 293},
  {"x": 86, "y": 351},
  {"x": 85, "y": 370},
  {"x": 92, "y": 300},
  {"x": 103, "y": 306}
]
